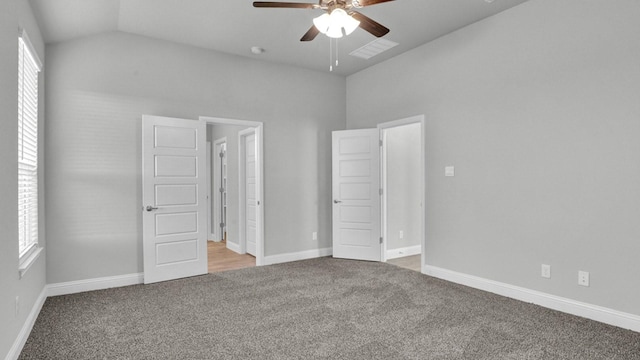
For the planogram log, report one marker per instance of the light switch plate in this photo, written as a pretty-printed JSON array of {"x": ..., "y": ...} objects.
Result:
[
  {"x": 449, "y": 171},
  {"x": 546, "y": 271}
]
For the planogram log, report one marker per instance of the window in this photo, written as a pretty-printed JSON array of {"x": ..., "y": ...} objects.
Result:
[{"x": 28, "y": 68}]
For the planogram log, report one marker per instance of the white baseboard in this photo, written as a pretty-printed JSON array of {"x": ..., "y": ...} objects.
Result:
[
  {"x": 233, "y": 247},
  {"x": 73, "y": 287},
  {"x": 23, "y": 335},
  {"x": 302, "y": 255},
  {"x": 589, "y": 311},
  {"x": 402, "y": 252}
]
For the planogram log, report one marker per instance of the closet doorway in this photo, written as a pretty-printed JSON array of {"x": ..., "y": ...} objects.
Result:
[{"x": 402, "y": 183}]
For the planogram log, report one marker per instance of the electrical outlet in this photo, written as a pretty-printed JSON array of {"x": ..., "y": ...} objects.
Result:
[
  {"x": 583, "y": 278},
  {"x": 314, "y": 236},
  {"x": 546, "y": 271},
  {"x": 17, "y": 305},
  {"x": 401, "y": 234}
]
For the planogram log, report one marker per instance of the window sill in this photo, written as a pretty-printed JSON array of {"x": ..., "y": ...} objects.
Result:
[{"x": 29, "y": 260}]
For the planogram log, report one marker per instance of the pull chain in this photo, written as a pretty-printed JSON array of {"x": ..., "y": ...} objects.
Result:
[
  {"x": 337, "y": 56},
  {"x": 333, "y": 43}
]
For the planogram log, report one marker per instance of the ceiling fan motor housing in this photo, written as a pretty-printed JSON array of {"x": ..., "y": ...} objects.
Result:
[{"x": 352, "y": 19}]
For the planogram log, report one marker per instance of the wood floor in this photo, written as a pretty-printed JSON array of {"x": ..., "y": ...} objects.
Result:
[
  {"x": 409, "y": 262},
  {"x": 223, "y": 259}
]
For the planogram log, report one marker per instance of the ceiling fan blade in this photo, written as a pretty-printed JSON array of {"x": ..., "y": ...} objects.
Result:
[
  {"x": 364, "y": 3},
  {"x": 276, "y": 4},
  {"x": 366, "y": 23},
  {"x": 311, "y": 34}
]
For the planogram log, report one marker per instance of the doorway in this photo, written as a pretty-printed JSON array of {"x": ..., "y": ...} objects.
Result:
[
  {"x": 234, "y": 204},
  {"x": 378, "y": 187},
  {"x": 402, "y": 183}
]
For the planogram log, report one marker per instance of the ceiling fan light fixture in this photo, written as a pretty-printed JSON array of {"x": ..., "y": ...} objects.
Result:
[
  {"x": 350, "y": 24},
  {"x": 334, "y": 32},
  {"x": 322, "y": 23},
  {"x": 332, "y": 24}
]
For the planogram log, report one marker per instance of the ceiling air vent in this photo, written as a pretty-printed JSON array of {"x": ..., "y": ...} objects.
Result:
[{"x": 373, "y": 48}]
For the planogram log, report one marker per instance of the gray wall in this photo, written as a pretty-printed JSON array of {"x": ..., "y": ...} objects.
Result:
[
  {"x": 14, "y": 15},
  {"x": 233, "y": 206},
  {"x": 97, "y": 90},
  {"x": 537, "y": 108},
  {"x": 403, "y": 186}
]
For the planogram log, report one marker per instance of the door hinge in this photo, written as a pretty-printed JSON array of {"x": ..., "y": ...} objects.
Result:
[
  {"x": 380, "y": 239},
  {"x": 380, "y": 191},
  {"x": 380, "y": 142}
]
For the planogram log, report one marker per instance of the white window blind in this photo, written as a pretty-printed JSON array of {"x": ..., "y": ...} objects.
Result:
[{"x": 28, "y": 69}]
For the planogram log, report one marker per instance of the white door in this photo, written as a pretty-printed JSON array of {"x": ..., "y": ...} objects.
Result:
[
  {"x": 356, "y": 194},
  {"x": 250, "y": 224},
  {"x": 174, "y": 198},
  {"x": 219, "y": 174}
]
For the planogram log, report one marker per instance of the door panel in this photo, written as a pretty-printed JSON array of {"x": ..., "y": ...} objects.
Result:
[
  {"x": 177, "y": 252},
  {"x": 355, "y": 187},
  {"x": 175, "y": 137},
  {"x": 176, "y": 166},
  {"x": 355, "y": 214},
  {"x": 174, "y": 198},
  {"x": 177, "y": 223},
  {"x": 357, "y": 191},
  {"x": 173, "y": 195},
  {"x": 355, "y": 168}
]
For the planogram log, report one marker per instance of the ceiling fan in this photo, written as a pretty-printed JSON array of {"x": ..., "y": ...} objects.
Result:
[{"x": 340, "y": 14}]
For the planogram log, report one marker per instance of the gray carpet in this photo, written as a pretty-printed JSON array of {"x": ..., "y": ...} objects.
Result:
[{"x": 315, "y": 309}]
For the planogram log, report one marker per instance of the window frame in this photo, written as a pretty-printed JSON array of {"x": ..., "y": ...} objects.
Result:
[{"x": 29, "y": 68}]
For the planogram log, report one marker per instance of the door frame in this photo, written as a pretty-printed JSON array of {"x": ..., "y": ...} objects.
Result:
[
  {"x": 383, "y": 184},
  {"x": 209, "y": 192},
  {"x": 215, "y": 205},
  {"x": 258, "y": 127}
]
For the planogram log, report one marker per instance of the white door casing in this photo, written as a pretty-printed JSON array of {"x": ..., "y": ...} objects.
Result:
[
  {"x": 419, "y": 119},
  {"x": 356, "y": 194},
  {"x": 210, "y": 234},
  {"x": 248, "y": 193},
  {"x": 257, "y": 127},
  {"x": 174, "y": 201}
]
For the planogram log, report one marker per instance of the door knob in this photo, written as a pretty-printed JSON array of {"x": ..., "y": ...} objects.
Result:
[
  {"x": 151, "y": 208},
  {"x": 337, "y": 201}
]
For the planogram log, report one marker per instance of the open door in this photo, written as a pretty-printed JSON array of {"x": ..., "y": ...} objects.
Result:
[
  {"x": 356, "y": 194},
  {"x": 219, "y": 198},
  {"x": 174, "y": 221},
  {"x": 248, "y": 190}
]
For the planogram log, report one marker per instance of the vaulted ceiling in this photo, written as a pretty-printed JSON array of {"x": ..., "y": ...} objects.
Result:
[{"x": 234, "y": 26}]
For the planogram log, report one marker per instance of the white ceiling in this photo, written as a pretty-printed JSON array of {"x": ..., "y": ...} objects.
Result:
[{"x": 234, "y": 26}]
